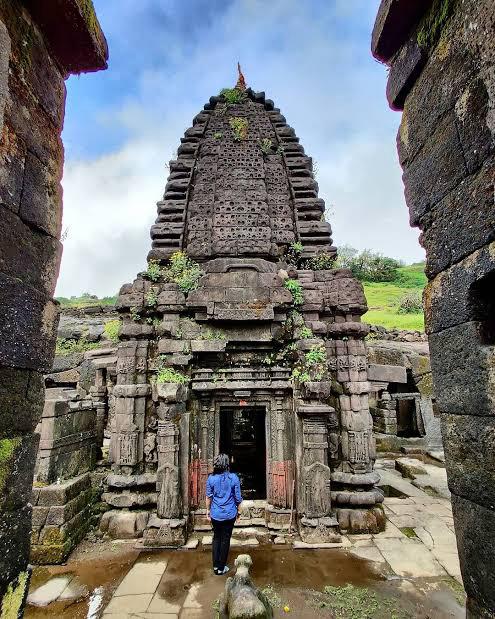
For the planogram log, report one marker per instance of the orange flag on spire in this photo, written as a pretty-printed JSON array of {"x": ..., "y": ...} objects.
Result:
[{"x": 241, "y": 82}]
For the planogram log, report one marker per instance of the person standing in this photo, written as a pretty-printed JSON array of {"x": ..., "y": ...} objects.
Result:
[{"x": 223, "y": 497}]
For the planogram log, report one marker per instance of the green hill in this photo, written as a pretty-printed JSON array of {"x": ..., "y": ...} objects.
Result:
[{"x": 383, "y": 299}]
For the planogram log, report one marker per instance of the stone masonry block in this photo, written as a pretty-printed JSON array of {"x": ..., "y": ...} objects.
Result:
[
  {"x": 20, "y": 246},
  {"x": 14, "y": 541},
  {"x": 29, "y": 327},
  {"x": 21, "y": 400},
  {"x": 469, "y": 443},
  {"x": 394, "y": 22},
  {"x": 387, "y": 373},
  {"x": 17, "y": 455},
  {"x": 476, "y": 556},
  {"x": 462, "y": 222},
  {"x": 457, "y": 360},
  {"x": 60, "y": 494},
  {"x": 436, "y": 170},
  {"x": 448, "y": 300},
  {"x": 41, "y": 202}
]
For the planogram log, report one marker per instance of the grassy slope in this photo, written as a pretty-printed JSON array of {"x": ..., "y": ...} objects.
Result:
[{"x": 383, "y": 298}]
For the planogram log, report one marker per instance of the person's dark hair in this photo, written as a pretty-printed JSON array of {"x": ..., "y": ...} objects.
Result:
[{"x": 220, "y": 464}]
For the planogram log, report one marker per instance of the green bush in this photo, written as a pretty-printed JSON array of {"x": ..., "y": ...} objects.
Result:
[
  {"x": 295, "y": 288},
  {"x": 233, "y": 95},
  {"x": 112, "y": 329},
  {"x": 293, "y": 253},
  {"x": 368, "y": 266},
  {"x": 266, "y": 146},
  {"x": 154, "y": 270},
  {"x": 320, "y": 262},
  {"x": 313, "y": 365},
  {"x": 152, "y": 297},
  {"x": 410, "y": 303},
  {"x": 169, "y": 375},
  {"x": 67, "y": 347},
  {"x": 183, "y": 271},
  {"x": 305, "y": 333},
  {"x": 239, "y": 128}
]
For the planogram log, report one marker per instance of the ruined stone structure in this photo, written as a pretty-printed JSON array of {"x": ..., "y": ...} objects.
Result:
[
  {"x": 442, "y": 74},
  {"x": 41, "y": 44},
  {"x": 401, "y": 391},
  {"x": 261, "y": 358}
]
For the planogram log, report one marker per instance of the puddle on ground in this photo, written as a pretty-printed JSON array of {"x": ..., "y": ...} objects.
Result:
[
  {"x": 101, "y": 575},
  {"x": 293, "y": 574}
]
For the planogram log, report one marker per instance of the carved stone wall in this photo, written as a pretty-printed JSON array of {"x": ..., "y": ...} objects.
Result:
[
  {"x": 442, "y": 61},
  {"x": 34, "y": 60}
]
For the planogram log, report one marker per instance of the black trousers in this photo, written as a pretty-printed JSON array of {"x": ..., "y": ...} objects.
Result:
[{"x": 222, "y": 532}]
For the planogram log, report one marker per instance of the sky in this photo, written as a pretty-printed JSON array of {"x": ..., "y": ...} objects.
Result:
[{"x": 167, "y": 57}]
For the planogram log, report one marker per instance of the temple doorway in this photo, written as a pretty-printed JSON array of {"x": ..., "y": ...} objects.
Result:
[{"x": 243, "y": 438}]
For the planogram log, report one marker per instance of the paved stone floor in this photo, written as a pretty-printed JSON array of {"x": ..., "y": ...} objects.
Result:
[{"x": 415, "y": 558}]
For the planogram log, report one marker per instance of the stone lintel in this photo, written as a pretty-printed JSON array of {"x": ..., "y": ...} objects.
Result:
[
  {"x": 243, "y": 385},
  {"x": 308, "y": 410},
  {"x": 387, "y": 373},
  {"x": 72, "y": 32},
  {"x": 394, "y": 23}
]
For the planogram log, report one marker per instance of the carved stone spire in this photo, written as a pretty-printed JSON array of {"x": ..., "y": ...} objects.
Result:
[{"x": 241, "y": 82}]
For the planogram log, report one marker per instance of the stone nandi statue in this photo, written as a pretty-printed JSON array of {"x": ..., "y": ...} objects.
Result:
[{"x": 242, "y": 600}]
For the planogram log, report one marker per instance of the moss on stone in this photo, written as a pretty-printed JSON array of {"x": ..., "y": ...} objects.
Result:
[
  {"x": 432, "y": 24},
  {"x": 14, "y": 596},
  {"x": 7, "y": 449}
]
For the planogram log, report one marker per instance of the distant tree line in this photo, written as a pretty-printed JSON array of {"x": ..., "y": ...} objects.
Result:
[{"x": 367, "y": 265}]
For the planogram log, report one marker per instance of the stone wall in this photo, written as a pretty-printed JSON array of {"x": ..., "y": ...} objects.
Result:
[
  {"x": 442, "y": 74},
  {"x": 40, "y": 45}
]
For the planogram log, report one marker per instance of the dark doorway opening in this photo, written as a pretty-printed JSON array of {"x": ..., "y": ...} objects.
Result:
[
  {"x": 406, "y": 418},
  {"x": 242, "y": 437}
]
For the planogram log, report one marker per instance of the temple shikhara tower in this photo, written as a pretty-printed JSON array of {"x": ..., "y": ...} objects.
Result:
[{"x": 242, "y": 337}]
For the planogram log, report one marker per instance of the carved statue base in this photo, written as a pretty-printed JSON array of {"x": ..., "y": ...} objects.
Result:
[
  {"x": 319, "y": 530},
  {"x": 165, "y": 532}
]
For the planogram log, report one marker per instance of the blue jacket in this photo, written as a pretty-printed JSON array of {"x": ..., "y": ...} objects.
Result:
[{"x": 224, "y": 490}]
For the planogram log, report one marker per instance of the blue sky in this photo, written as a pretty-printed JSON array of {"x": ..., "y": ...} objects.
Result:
[{"x": 167, "y": 58}]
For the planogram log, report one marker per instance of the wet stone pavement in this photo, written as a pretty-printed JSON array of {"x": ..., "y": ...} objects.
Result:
[{"x": 409, "y": 570}]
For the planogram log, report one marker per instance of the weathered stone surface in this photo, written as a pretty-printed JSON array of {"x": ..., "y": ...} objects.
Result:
[
  {"x": 462, "y": 222},
  {"x": 403, "y": 73},
  {"x": 120, "y": 524},
  {"x": 387, "y": 373},
  {"x": 241, "y": 598},
  {"x": 435, "y": 171},
  {"x": 455, "y": 296},
  {"x": 457, "y": 359},
  {"x": 21, "y": 245},
  {"x": 409, "y": 467},
  {"x": 28, "y": 329},
  {"x": 21, "y": 395},
  {"x": 394, "y": 22},
  {"x": 475, "y": 554},
  {"x": 470, "y": 457}
]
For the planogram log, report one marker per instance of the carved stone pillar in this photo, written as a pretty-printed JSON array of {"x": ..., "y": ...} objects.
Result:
[
  {"x": 130, "y": 392},
  {"x": 168, "y": 478},
  {"x": 168, "y": 528},
  {"x": 99, "y": 395},
  {"x": 281, "y": 456},
  {"x": 316, "y": 524},
  {"x": 354, "y": 493}
]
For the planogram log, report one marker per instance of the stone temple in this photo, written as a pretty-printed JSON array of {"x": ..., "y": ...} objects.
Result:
[{"x": 257, "y": 351}]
